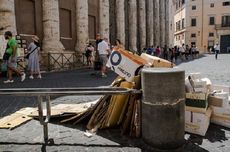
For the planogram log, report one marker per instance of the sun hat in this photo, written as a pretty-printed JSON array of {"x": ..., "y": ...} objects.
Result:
[{"x": 35, "y": 38}]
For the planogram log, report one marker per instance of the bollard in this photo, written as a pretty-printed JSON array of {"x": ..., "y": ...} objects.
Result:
[{"x": 163, "y": 107}]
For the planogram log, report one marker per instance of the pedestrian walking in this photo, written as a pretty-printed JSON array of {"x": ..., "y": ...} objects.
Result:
[
  {"x": 182, "y": 51},
  {"x": 165, "y": 52},
  {"x": 103, "y": 51},
  {"x": 119, "y": 44},
  {"x": 11, "y": 55},
  {"x": 150, "y": 50},
  {"x": 89, "y": 53},
  {"x": 33, "y": 60},
  {"x": 172, "y": 54},
  {"x": 158, "y": 51},
  {"x": 217, "y": 50}
]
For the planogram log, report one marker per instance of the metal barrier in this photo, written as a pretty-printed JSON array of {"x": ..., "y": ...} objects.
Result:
[
  {"x": 67, "y": 60},
  {"x": 42, "y": 93}
]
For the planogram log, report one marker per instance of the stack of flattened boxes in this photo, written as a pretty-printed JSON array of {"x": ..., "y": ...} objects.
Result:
[
  {"x": 219, "y": 103},
  {"x": 197, "y": 114}
]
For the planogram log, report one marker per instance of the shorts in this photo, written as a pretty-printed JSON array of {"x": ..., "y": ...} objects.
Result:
[
  {"x": 12, "y": 62},
  {"x": 104, "y": 59}
]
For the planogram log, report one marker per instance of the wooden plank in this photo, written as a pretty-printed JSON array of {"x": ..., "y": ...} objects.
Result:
[
  {"x": 16, "y": 119},
  {"x": 62, "y": 109}
]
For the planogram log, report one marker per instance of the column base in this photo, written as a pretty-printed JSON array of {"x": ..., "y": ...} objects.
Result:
[{"x": 163, "y": 125}]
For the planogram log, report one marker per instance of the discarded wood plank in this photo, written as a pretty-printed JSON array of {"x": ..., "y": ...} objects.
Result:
[{"x": 16, "y": 119}]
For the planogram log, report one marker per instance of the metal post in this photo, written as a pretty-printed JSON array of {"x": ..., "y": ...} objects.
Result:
[
  {"x": 40, "y": 109},
  {"x": 49, "y": 68},
  {"x": 41, "y": 116}
]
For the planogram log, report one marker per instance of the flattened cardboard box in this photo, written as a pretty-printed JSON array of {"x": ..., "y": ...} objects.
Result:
[
  {"x": 215, "y": 101},
  {"x": 125, "y": 64},
  {"x": 221, "y": 119},
  {"x": 156, "y": 62}
]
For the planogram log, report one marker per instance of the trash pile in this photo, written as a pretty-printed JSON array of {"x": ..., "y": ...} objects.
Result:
[
  {"x": 120, "y": 110},
  {"x": 205, "y": 103}
]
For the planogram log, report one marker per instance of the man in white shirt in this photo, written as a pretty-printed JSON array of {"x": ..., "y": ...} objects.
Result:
[
  {"x": 103, "y": 51},
  {"x": 217, "y": 49}
]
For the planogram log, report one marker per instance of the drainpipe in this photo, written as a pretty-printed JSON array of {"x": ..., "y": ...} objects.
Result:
[{"x": 202, "y": 30}]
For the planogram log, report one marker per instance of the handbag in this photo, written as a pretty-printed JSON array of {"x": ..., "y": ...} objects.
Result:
[
  {"x": 4, "y": 66},
  {"x": 28, "y": 54},
  {"x": 6, "y": 56}
]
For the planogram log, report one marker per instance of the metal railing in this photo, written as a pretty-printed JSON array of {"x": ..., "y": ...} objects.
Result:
[
  {"x": 43, "y": 93},
  {"x": 61, "y": 61}
]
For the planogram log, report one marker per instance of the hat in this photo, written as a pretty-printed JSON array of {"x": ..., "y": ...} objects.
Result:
[{"x": 35, "y": 38}]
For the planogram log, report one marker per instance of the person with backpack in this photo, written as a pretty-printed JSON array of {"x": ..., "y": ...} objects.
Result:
[
  {"x": 89, "y": 53},
  {"x": 10, "y": 57}
]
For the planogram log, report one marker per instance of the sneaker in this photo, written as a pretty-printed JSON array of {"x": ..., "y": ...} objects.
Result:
[
  {"x": 39, "y": 76},
  {"x": 31, "y": 77},
  {"x": 23, "y": 77},
  {"x": 8, "y": 81},
  {"x": 103, "y": 75}
]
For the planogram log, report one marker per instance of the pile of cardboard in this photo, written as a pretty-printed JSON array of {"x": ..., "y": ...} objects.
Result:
[
  {"x": 120, "y": 110},
  {"x": 204, "y": 103}
]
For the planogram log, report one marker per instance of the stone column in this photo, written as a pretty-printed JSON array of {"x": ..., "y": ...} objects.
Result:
[
  {"x": 132, "y": 25},
  {"x": 156, "y": 23},
  {"x": 167, "y": 24},
  {"x": 163, "y": 107},
  {"x": 82, "y": 25},
  {"x": 120, "y": 20},
  {"x": 104, "y": 18},
  {"x": 51, "y": 27},
  {"x": 7, "y": 16},
  {"x": 149, "y": 23},
  {"x": 162, "y": 23},
  {"x": 142, "y": 23}
]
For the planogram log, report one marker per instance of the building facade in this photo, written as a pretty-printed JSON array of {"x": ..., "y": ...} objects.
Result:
[
  {"x": 69, "y": 25},
  {"x": 202, "y": 23}
]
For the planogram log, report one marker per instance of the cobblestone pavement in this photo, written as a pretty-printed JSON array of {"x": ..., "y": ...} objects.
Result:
[
  {"x": 218, "y": 71},
  {"x": 28, "y": 137}
]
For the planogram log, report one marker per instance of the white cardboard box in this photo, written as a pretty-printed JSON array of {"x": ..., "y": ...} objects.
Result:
[
  {"x": 221, "y": 119},
  {"x": 195, "y": 76},
  {"x": 225, "y": 96},
  {"x": 220, "y": 110},
  {"x": 197, "y": 123},
  {"x": 125, "y": 64},
  {"x": 221, "y": 88}
]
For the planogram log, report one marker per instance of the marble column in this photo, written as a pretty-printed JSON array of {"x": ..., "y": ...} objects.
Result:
[
  {"x": 150, "y": 32},
  {"x": 132, "y": 25},
  {"x": 82, "y": 25},
  {"x": 51, "y": 27},
  {"x": 142, "y": 23},
  {"x": 167, "y": 23},
  {"x": 104, "y": 18},
  {"x": 156, "y": 23},
  {"x": 7, "y": 17},
  {"x": 162, "y": 23},
  {"x": 120, "y": 20}
]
